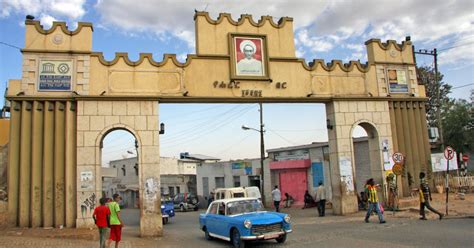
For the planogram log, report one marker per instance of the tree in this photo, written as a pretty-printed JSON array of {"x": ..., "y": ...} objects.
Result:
[
  {"x": 426, "y": 76},
  {"x": 458, "y": 125}
]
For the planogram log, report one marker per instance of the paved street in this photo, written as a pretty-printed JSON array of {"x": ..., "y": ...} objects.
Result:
[{"x": 309, "y": 231}]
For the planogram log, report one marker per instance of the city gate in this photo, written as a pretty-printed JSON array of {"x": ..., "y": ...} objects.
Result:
[{"x": 70, "y": 97}]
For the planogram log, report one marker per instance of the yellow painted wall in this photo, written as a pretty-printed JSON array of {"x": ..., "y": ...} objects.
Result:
[
  {"x": 196, "y": 78},
  {"x": 4, "y": 131}
]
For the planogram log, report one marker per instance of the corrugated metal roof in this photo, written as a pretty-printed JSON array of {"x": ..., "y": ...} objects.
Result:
[{"x": 312, "y": 145}]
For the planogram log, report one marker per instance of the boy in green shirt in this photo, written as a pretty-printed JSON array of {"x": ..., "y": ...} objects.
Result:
[{"x": 116, "y": 222}]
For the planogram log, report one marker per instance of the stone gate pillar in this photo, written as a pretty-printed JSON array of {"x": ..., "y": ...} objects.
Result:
[
  {"x": 342, "y": 117},
  {"x": 95, "y": 119}
]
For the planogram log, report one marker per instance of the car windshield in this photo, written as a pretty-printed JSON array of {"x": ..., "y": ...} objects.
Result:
[{"x": 242, "y": 207}]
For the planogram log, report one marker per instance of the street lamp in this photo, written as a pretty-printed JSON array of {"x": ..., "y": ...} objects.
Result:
[{"x": 262, "y": 150}]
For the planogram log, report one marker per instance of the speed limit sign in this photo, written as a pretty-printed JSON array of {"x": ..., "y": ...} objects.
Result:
[{"x": 398, "y": 158}]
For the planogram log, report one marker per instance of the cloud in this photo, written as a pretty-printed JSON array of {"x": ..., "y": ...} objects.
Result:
[
  {"x": 315, "y": 44},
  {"x": 69, "y": 9},
  {"x": 175, "y": 18},
  {"x": 46, "y": 20}
]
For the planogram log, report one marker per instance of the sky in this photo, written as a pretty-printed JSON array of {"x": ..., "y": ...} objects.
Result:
[{"x": 326, "y": 30}]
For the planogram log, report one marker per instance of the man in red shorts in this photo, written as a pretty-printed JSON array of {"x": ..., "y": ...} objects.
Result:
[{"x": 116, "y": 222}]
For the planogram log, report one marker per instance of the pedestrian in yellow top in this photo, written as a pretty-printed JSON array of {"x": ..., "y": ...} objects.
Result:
[
  {"x": 116, "y": 222},
  {"x": 373, "y": 201},
  {"x": 425, "y": 198}
]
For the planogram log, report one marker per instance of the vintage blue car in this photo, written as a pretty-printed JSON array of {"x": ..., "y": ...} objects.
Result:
[
  {"x": 167, "y": 210},
  {"x": 239, "y": 220}
]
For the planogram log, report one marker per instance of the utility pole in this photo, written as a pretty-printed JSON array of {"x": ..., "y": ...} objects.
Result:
[
  {"x": 434, "y": 53},
  {"x": 262, "y": 153}
]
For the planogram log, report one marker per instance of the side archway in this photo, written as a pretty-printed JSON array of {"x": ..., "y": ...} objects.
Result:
[
  {"x": 95, "y": 120},
  {"x": 366, "y": 154}
]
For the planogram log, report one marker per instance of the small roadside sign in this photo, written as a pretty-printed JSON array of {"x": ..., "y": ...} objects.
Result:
[
  {"x": 398, "y": 158},
  {"x": 397, "y": 169},
  {"x": 465, "y": 157},
  {"x": 448, "y": 153}
]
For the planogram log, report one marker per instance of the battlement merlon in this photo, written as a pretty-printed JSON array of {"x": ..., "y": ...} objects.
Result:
[
  {"x": 212, "y": 36},
  {"x": 390, "y": 52},
  {"x": 58, "y": 38}
]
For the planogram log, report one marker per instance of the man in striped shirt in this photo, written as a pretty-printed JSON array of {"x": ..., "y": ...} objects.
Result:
[{"x": 373, "y": 201}]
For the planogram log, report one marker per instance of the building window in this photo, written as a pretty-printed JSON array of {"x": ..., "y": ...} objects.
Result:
[
  {"x": 136, "y": 169},
  {"x": 178, "y": 190},
  {"x": 236, "y": 181},
  {"x": 220, "y": 182},
  {"x": 123, "y": 169},
  {"x": 171, "y": 189}
]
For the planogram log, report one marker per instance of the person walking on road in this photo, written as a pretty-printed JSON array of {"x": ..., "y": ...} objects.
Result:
[
  {"x": 425, "y": 198},
  {"x": 116, "y": 223},
  {"x": 276, "y": 196},
  {"x": 101, "y": 218},
  {"x": 321, "y": 199},
  {"x": 373, "y": 201}
]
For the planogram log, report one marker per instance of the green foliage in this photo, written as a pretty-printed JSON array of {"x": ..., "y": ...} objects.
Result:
[
  {"x": 426, "y": 76},
  {"x": 457, "y": 116},
  {"x": 458, "y": 125}
]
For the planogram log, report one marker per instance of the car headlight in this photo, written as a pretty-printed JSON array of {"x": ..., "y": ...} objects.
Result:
[
  {"x": 287, "y": 218},
  {"x": 162, "y": 207},
  {"x": 247, "y": 224}
]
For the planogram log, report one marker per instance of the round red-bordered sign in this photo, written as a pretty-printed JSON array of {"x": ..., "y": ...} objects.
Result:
[
  {"x": 465, "y": 157},
  {"x": 398, "y": 158},
  {"x": 397, "y": 169},
  {"x": 448, "y": 153}
]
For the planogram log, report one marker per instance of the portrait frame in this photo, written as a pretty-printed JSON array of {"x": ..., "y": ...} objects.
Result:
[
  {"x": 256, "y": 68},
  {"x": 397, "y": 80}
]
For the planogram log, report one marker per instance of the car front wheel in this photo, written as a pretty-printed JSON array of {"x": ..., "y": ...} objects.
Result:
[
  {"x": 182, "y": 208},
  {"x": 165, "y": 220},
  {"x": 281, "y": 239},
  {"x": 206, "y": 234},
  {"x": 236, "y": 241}
]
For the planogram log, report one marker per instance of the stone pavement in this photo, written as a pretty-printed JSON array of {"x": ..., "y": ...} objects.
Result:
[{"x": 329, "y": 231}]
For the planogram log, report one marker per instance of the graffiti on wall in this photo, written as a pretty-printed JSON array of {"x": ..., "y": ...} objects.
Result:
[
  {"x": 347, "y": 180},
  {"x": 88, "y": 205}
]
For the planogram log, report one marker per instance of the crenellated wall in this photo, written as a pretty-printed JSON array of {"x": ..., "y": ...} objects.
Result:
[{"x": 170, "y": 80}]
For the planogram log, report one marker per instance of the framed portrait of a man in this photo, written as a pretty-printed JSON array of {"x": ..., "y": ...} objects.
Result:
[{"x": 248, "y": 57}]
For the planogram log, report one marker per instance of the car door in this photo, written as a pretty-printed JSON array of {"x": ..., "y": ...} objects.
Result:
[
  {"x": 221, "y": 221},
  {"x": 211, "y": 218}
]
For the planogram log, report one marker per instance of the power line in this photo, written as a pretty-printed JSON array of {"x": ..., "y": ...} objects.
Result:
[
  {"x": 462, "y": 86},
  {"x": 198, "y": 135},
  {"x": 285, "y": 139},
  {"x": 10, "y": 45},
  {"x": 206, "y": 125},
  {"x": 202, "y": 124},
  {"x": 460, "y": 45}
]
